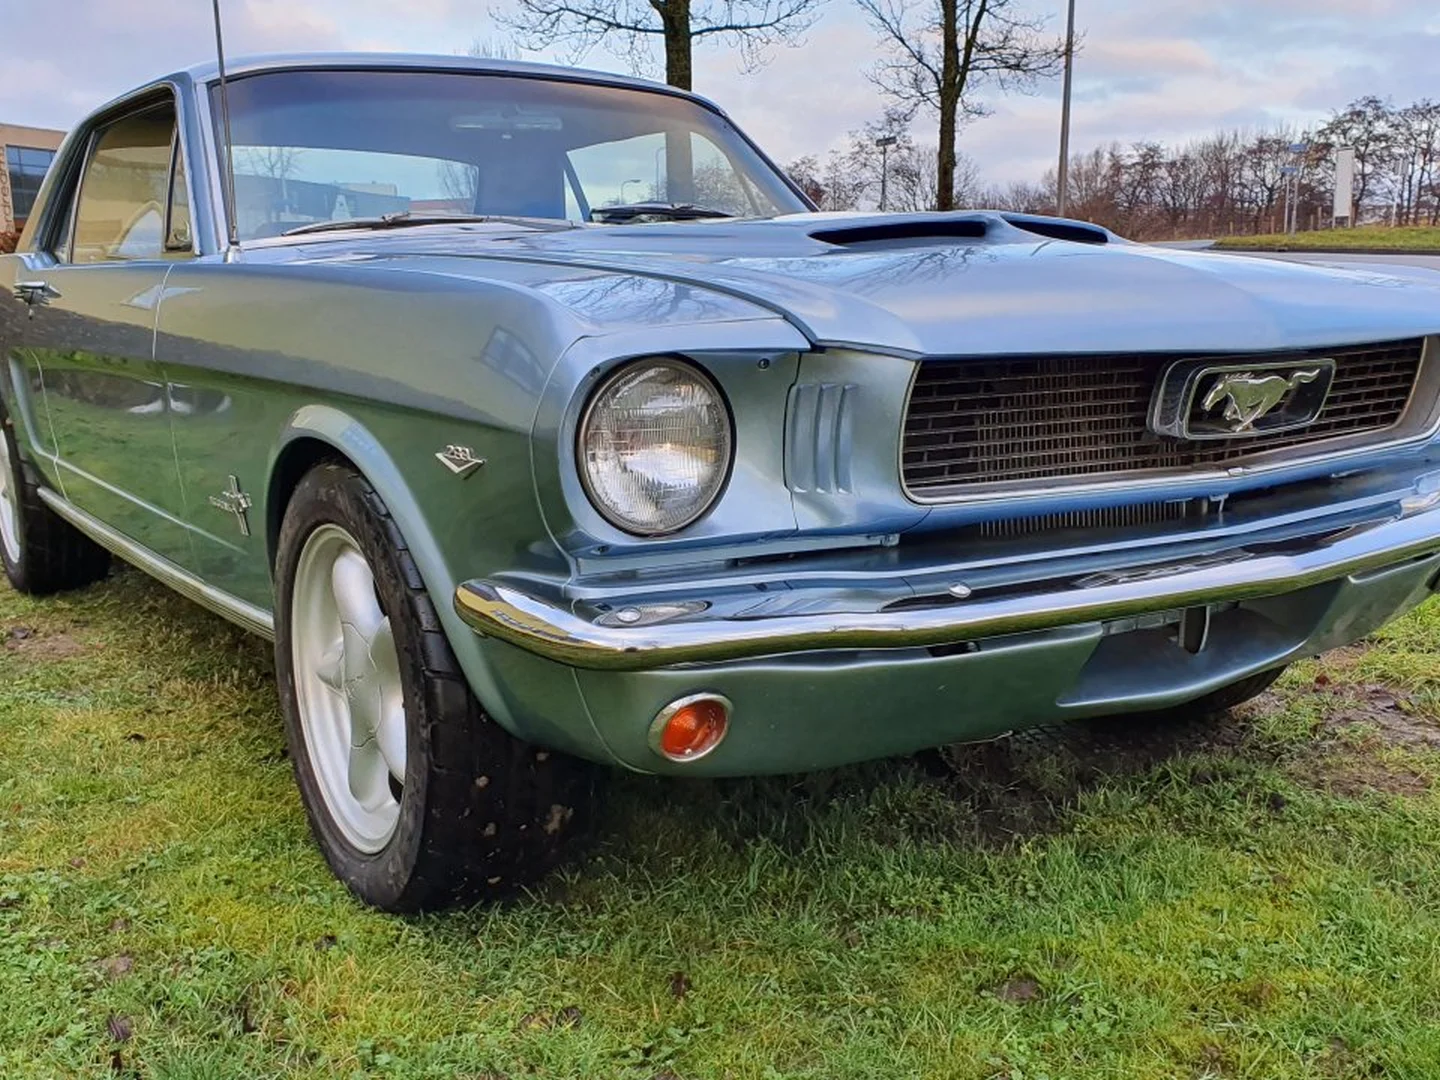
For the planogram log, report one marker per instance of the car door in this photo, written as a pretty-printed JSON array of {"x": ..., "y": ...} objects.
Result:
[{"x": 93, "y": 295}]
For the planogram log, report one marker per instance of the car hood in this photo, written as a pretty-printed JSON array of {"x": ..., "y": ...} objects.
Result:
[{"x": 961, "y": 284}]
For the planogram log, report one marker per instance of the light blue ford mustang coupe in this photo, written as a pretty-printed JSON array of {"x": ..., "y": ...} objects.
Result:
[{"x": 541, "y": 422}]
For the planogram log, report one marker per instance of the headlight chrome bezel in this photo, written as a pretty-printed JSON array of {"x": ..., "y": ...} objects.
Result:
[{"x": 597, "y": 396}]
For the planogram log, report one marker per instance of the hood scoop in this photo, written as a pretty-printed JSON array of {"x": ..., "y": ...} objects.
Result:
[
  {"x": 904, "y": 230},
  {"x": 937, "y": 229},
  {"x": 1077, "y": 232}
]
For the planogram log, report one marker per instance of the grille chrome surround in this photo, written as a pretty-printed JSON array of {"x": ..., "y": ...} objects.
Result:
[{"x": 989, "y": 426}]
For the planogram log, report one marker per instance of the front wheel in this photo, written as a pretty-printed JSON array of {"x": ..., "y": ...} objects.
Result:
[{"x": 416, "y": 797}]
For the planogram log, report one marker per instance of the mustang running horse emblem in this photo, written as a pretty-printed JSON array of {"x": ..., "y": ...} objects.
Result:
[{"x": 1248, "y": 397}]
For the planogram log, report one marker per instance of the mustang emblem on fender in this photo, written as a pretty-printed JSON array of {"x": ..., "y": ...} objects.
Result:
[{"x": 1248, "y": 397}]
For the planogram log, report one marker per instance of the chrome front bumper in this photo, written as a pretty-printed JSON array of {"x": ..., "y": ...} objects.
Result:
[{"x": 1246, "y": 572}]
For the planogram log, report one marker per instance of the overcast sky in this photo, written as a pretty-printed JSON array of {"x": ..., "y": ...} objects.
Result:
[{"x": 1150, "y": 69}]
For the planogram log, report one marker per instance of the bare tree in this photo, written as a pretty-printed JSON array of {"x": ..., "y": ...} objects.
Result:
[
  {"x": 805, "y": 171},
  {"x": 1366, "y": 126},
  {"x": 850, "y": 177},
  {"x": 276, "y": 163},
  {"x": 631, "y": 27},
  {"x": 939, "y": 52},
  {"x": 486, "y": 48},
  {"x": 1416, "y": 183}
]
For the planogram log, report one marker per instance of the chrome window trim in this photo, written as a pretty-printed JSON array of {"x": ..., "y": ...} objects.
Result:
[
  {"x": 70, "y": 189},
  {"x": 55, "y": 236},
  {"x": 205, "y": 82},
  {"x": 178, "y": 166},
  {"x": 1156, "y": 479}
]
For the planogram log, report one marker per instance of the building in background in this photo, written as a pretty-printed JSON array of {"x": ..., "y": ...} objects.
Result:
[{"x": 25, "y": 154}]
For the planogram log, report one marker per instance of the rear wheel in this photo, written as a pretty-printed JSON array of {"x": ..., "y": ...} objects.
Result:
[
  {"x": 41, "y": 552},
  {"x": 416, "y": 797}
]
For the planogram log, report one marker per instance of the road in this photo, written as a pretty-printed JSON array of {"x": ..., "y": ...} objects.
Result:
[{"x": 1399, "y": 259}]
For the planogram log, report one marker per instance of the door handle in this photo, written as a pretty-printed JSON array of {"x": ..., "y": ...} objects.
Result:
[{"x": 36, "y": 292}]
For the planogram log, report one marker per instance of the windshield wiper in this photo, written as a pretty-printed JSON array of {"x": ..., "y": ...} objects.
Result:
[
  {"x": 398, "y": 220},
  {"x": 616, "y": 215}
]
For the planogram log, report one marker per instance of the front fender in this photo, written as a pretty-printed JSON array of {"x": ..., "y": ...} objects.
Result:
[{"x": 531, "y": 698}]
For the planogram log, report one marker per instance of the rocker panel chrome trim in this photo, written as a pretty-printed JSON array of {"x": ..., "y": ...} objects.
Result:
[
  {"x": 504, "y": 612},
  {"x": 244, "y": 615}
]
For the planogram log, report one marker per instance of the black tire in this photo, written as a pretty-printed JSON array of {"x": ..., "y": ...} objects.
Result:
[
  {"x": 482, "y": 814},
  {"x": 54, "y": 555},
  {"x": 1226, "y": 698}
]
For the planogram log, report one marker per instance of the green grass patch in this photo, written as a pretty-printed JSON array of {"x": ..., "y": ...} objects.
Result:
[
  {"x": 1259, "y": 898},
  {"x": 1366, "y": 237}
]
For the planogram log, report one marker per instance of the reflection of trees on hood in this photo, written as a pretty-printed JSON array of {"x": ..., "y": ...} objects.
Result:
[
  {"x": 617, "y": 300},
  {"x": 887, "y": 269}
]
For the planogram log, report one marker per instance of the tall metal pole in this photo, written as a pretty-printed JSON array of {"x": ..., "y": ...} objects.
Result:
[
  {"x": 884, "y": 142},
  {"x": 1062, "y": 197},
  {"x": 884, "y": 173}
]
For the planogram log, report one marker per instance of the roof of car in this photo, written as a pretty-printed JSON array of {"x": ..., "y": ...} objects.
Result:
[{"x": 248, "y": 65}]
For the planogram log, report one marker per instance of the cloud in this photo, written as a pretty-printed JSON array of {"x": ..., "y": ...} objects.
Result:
[{"x": 1168, "y": 70}]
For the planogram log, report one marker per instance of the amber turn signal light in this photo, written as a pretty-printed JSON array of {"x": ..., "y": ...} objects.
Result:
[{"x": 691, "y": 727}]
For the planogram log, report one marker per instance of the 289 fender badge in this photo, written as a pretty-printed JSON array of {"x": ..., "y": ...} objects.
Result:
[{"x": 460, "y": 460}]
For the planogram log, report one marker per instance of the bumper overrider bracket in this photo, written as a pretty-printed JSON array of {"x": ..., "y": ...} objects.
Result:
[{"x": 503, "y": 611}]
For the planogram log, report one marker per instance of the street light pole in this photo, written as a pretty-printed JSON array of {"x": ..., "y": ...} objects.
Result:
[
  {"x": 884, "y": 142},
  {"x": 1063, "y": 195}
]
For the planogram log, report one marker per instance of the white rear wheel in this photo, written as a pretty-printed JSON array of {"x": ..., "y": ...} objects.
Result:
[{"x": 9, "y": 504}]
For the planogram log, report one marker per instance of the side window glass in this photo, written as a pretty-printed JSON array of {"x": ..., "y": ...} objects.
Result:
[
  {"x": 177, "y": 234},
  {"x": 124, "y": 192}
]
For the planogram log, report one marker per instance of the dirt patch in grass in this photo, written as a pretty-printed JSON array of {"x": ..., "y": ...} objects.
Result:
[
  {"x": 39, "y": 645},
  {"x": 1022, "y": 990},
  {"x": 1361, "y": 728},
  {"x": 1352, "y": 778},
  {"x": 1379, "y": 716}
]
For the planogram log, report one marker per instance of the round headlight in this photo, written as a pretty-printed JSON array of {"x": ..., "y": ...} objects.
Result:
[{"x": 654, "y": 446}]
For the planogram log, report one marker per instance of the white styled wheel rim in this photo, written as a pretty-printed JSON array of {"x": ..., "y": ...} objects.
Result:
[
  {"x": 347, "y": 688},
  {"x": 9, "y": 504}
]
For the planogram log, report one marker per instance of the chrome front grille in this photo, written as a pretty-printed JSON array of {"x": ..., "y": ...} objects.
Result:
[{"x": 1079, "y": 418}]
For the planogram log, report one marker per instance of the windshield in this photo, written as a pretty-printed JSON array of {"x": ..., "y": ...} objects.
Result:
[{"x": 317, "y": 146}]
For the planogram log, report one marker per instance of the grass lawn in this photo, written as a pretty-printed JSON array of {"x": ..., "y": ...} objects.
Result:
[
  {"x": 1259, "y": 898},
  {"x": 1378, "y": 237}
]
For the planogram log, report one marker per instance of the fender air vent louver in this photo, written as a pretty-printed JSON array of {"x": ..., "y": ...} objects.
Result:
[{"x": 903, "y": 230}]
